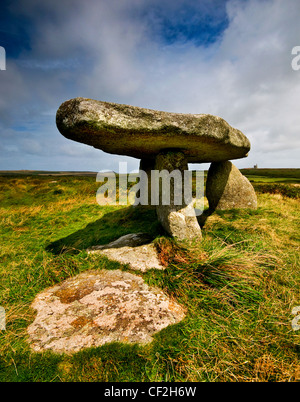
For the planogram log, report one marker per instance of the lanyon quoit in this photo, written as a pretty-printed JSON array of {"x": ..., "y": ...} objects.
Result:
[{"x": 166, "y": 142}]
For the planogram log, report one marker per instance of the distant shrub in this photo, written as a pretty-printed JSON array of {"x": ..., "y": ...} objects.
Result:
[{"x": 283, "y": 189}]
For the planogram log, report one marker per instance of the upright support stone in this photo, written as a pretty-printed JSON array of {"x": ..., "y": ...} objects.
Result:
[
  {"x": 227, "y": 188},
  {"x": 176, "y": 216}
]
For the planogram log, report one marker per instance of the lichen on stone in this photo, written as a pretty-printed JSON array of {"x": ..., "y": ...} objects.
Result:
[
  {"x": 139, "y": 132},
  {"x": 98, "y": 307}
]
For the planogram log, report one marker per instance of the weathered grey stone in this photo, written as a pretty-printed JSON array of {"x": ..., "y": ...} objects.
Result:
[
  {"x": 131, "y": 249},
  {"x": 98, "y": 307},
  {"x": 177, "y": 218},
  {"x": 139, "y": 258},
  {"x": 227, "y": 188},
  {"x": 143, "y": 133}
]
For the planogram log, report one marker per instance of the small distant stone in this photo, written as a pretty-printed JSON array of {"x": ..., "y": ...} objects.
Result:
[{"x": 99, "y": 307}]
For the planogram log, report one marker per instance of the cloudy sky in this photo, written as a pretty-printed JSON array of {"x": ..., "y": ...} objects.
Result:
[{"x": 230, "y": 58}]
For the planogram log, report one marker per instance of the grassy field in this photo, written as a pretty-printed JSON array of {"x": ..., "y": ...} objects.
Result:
[
  {"x": 239, "y": 285},
  {"x": 272, "y": 175}
]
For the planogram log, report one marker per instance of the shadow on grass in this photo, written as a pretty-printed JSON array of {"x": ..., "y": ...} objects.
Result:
[{"x": 108, "y": 228}]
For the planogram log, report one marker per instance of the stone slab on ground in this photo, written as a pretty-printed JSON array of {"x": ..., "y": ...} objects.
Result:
[
  {"x": 141, "y": 258},
  {"x": 99, "y": 307},
  {"x": 130, "y": 249}
]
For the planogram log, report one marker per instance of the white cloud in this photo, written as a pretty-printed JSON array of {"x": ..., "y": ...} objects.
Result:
[{"x": 108, "y": 50}]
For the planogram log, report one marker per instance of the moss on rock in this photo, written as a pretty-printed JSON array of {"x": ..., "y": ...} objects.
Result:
[{"x": 139, "y": 132}]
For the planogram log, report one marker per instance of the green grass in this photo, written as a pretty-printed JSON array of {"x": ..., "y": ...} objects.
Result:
[
  {"x": 272, "y": 175},
  {"x": 238, "y": 285}
]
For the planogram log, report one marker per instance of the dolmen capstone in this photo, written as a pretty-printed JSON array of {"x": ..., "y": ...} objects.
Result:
[{"x": 166, "y": 141}]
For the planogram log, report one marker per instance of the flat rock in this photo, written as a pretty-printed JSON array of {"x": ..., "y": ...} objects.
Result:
[
  {"x": 138, "y": 132},
  {"x": 140, "y": 258},
  {"x": 133, "y": 249},
  {"x": 99, "y": 307},
  {"x": 227, "y": 188}
]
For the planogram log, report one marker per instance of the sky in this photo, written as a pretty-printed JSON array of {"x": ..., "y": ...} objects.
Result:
[{"x": 230, "y": 58}]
